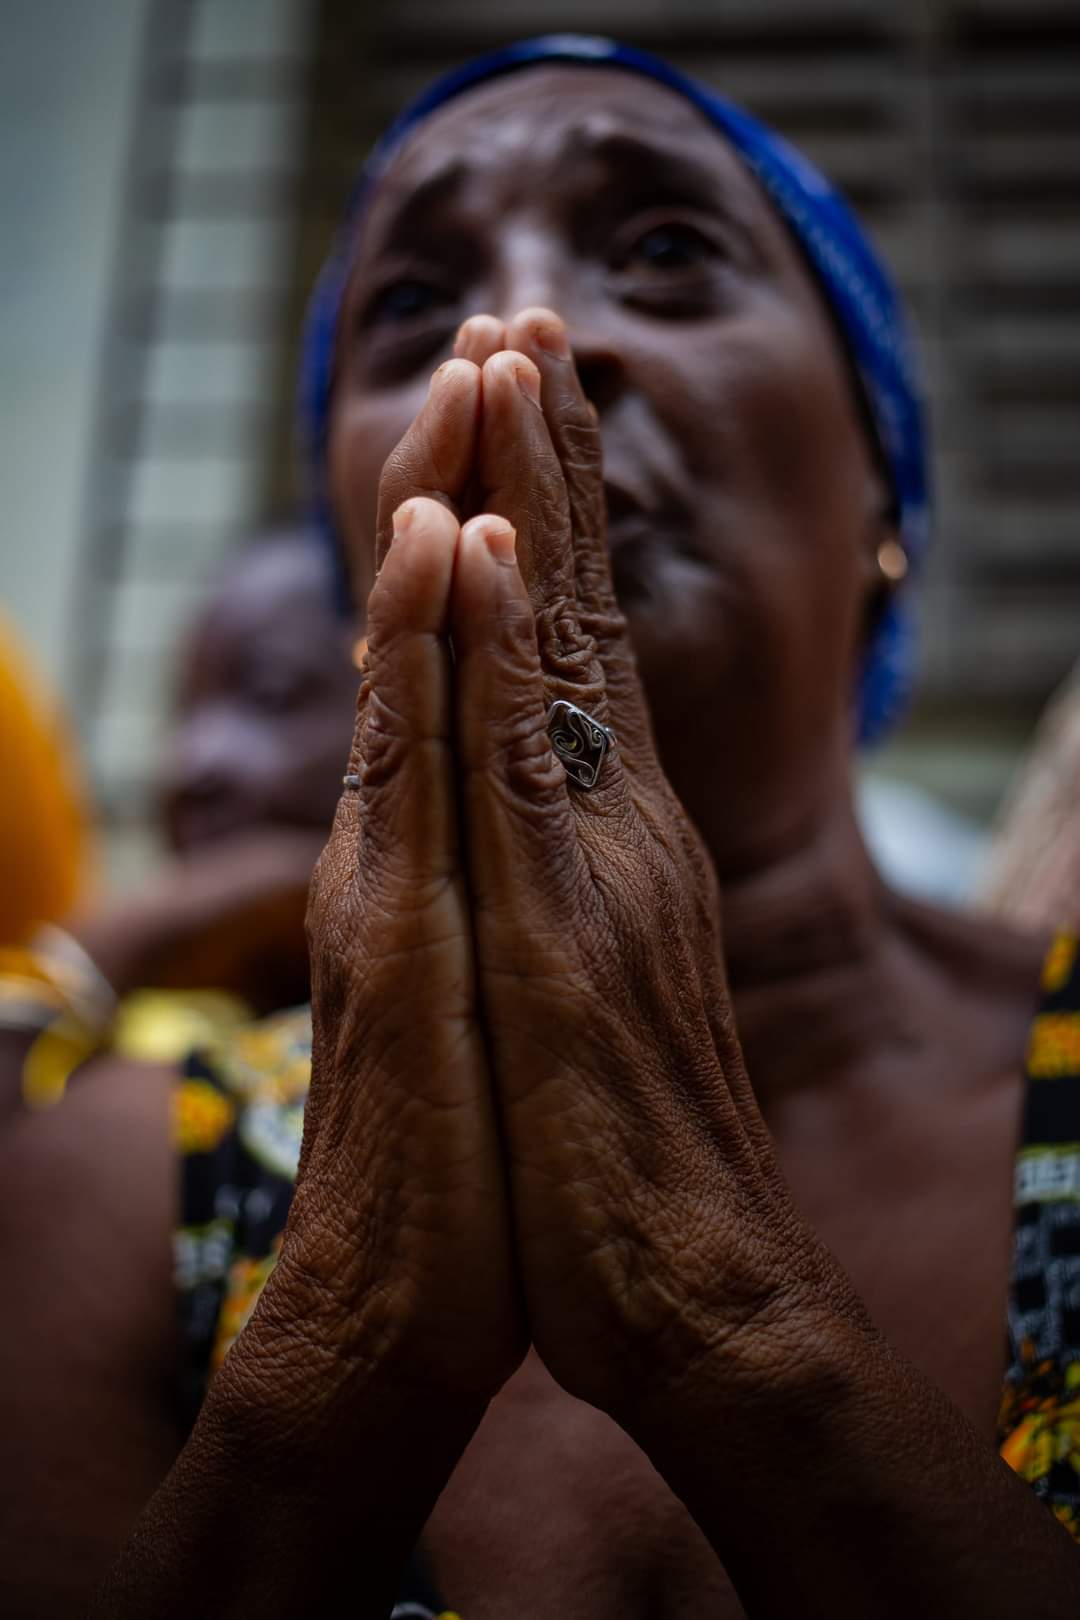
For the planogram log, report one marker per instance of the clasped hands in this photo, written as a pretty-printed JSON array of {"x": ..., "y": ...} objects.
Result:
[{"x": 529, "y": 1120}]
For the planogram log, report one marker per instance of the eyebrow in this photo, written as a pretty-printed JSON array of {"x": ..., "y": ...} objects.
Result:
[
  {"x": 422, "y": 199},
  {"x": 664, "y": 163},
  {"x": 651, "y": 164}
]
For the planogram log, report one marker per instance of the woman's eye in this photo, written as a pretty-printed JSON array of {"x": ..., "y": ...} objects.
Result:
[
  {"x": 405, "y": 300},
  {"x": 278, "y": 691},
  {"x": 670, "y": 247}
]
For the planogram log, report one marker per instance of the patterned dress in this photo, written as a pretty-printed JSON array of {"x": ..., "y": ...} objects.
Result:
[
  {"x": 1040, "y": 1411},
  {"x": 238, "y": 1119}
]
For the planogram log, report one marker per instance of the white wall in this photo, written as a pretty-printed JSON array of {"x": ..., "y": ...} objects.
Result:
[{"x": 67, "y": 78}]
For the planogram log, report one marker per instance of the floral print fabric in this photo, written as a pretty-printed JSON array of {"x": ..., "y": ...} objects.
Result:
[{"x": 1040, "y": 1411}]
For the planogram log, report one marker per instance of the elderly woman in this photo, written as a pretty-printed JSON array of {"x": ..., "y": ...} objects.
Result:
[{"x": 651, "y": 1237}]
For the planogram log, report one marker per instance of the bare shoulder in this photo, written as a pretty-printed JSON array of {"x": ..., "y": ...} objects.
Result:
[{"x": 87, "y": 1205}]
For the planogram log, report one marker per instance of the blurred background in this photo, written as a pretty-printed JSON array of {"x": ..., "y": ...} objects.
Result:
[{"x": 170, "y": 174}]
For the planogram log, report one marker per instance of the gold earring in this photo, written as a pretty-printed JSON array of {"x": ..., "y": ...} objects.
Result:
[{"x": 892, "y": 561}]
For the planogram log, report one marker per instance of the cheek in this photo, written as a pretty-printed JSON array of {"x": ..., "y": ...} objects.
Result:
[
  {"x": 773, "y": 467},
  {"x": 774, "y": 446},
  {"x": 363, "y": 432}
]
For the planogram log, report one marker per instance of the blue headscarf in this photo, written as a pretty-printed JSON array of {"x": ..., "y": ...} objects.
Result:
[{"x": 865, "y": 306}]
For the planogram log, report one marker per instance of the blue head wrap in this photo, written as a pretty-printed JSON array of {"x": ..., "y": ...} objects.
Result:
[{"x": 865, "y": 305}]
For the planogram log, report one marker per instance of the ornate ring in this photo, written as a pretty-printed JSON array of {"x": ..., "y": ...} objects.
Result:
[
  {"x": 579, "y": 741},
  {"x": 351, "y": 781}
]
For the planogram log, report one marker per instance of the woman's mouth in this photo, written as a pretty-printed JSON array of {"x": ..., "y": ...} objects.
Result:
[{"x": 641, "y": 537}]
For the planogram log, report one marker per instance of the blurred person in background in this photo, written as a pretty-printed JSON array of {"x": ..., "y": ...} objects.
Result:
[
  {"x": 266, "y": 693},
  {"x": 251, "y": 774},
  {"x": 628, "y": 1266}
]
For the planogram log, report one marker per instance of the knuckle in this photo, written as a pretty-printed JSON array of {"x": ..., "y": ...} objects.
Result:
[
  {"x": 390, "y": 731},
  {"x": 567, "y": 651},
  {"x": 400, "y": 713},
  {"x": 329, "y": 898},
  {"x": 384, "y": 613},
  {"x": 518, "y": 750},
  {"x": 580, "y": 444}
]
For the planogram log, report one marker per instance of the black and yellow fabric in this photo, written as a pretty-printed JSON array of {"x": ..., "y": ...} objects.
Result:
[
  {"x": 1040, "y": 1411},
  {"x": 237, "y": 1120},
  {"x": 238, "y": 1116}
]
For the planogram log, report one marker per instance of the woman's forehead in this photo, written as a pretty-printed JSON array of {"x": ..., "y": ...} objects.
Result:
[{"x": 549, "y": 116}]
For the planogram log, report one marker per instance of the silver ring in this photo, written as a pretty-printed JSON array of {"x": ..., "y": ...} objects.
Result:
[
  {"x": 579, "y": 741},
  {"x": 351, "y": 781}
]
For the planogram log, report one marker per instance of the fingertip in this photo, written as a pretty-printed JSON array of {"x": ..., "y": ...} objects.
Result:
[
  {"x": 494, "y": 533},
  {"x": 412, "y": 589},
  {"x": 510, "y": 366},
  {"x": 458, "y": 374},
  {"x": 540, "y": 327},
  {"x": 478, "y": 338},
  {"x": 421, "y": 515}
]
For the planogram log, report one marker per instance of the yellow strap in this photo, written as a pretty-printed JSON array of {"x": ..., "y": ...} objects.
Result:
[{"x": 52, "y": 1059}]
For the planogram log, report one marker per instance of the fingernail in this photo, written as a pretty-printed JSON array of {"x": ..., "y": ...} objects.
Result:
[
  {"x": 529, "y": 382},
  {"x": 501, "y": 540},
  {"x": 551, "y": 336},
  {"x": 403, "y": 520}
]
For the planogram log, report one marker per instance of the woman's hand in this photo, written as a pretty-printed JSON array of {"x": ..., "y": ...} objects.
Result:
[
  {"x": 393, "y": 1314},
  {"x": 651, "y": 1224},
  {"x": 396, "y": 1264},
  {"x": 667, "y": 1276}
]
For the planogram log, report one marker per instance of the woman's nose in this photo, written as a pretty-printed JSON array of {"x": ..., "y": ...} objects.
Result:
[{"x": 532, "y": 276}]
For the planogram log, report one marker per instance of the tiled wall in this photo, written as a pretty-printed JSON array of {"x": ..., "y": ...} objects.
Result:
[{"x": 190, "y": 381}]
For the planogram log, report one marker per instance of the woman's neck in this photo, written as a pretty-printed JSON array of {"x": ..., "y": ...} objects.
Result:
[
  {"x": 832, "y": 974},
  {"x": 815, "y": 953}
]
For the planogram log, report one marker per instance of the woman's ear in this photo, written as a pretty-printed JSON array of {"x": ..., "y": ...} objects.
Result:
[{"x": 885, "y": 562}]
